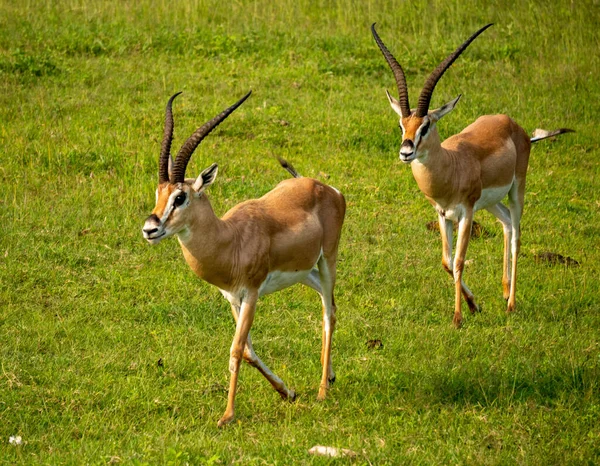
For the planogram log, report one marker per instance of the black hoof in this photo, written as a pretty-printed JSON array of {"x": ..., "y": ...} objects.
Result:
[{"x": 291, "y": 396}]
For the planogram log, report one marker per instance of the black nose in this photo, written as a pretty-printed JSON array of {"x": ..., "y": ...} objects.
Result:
[
  {"x": 151, "y": 221},
  {"x": 407, "y": 147}
]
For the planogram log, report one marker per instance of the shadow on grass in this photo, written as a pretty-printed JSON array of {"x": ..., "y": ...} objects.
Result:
[{"x": 545, "y": 386}]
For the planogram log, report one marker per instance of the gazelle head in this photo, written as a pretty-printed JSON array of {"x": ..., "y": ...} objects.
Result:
[
  {"x": 176, "y": 195},
  {"x": 418, "y": 126}
]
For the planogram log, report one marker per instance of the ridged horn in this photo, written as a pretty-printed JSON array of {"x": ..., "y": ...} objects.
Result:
[
  {"x": 425, "y": 97},
  {"x": 165, "y": 148},
  {"x": 186, "y": 151},
  {"x": 398, "y": 73}
]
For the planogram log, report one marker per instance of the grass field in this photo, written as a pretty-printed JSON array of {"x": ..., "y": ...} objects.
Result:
[{"x": 88, "y": 308}]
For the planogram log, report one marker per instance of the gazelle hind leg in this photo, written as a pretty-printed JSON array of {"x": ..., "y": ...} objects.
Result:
[
  {"x": 327, "y": 279},
  {"x": 501, "y": 212},
  {"x": 515, "y": 206},
  {"x": 252, "y": 358},
  {"x": 446, "y": 234},
  {"x": 314, "y": 281}
]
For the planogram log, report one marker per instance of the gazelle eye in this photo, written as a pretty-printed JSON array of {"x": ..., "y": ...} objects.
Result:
[
  {"x": 180, "y": 199},
  {"x": 424, "y": 129}
]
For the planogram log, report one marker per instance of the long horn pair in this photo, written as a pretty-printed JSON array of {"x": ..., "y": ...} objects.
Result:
[
  {"x": 165, "y": 148},
  {"x": 398, "y": 73},
  {"x": 186, "y": 151},
  {"x": 434, "y": 77}
]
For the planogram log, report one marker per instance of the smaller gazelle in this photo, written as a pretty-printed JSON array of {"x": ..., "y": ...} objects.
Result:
[
  {"x": 288, "y": 236},
  {"x": 475, "y": 169}
]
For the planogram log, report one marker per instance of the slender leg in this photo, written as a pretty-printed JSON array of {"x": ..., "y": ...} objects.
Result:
[
  {"x": 240, "y": 339},
  {"x": 503, "y": 215},
  {"x": 327, "y": 272},
  {"x": 446, "y": 233},
  {"x": 314, "y": 281},
  {"x": 464, "y": 234},
  {"x": 252, "y": 358},
  {"x": 515, "y": 206}
]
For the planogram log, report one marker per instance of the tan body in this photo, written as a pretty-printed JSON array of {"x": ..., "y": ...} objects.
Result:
[
  {"x": 475, "y": 169},
  {"x": 490, "y": 153},
  {"x": 288, "y": 236},
  {"x": 283, "y": 231}
]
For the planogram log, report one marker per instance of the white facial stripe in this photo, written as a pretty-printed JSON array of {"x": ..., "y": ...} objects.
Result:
[
  {"x": 170, "y": 205},
  {"x": 166, "y": 215},
  {"x": 426, "y": 121}
]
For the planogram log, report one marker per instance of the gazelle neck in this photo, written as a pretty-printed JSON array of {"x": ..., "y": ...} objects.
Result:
[
  {"x": 207, "y": 243},
  {"x": 432, "y": 168},
  {"x": 202, "y": 223}
]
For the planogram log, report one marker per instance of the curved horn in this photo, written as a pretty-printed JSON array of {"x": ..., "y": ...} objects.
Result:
[
  {"x": 165, "y": 148},
  {"x": 398, "y": 74},
  {"x": 425, "y": 97},
  {"x": 186, "y": 151}
]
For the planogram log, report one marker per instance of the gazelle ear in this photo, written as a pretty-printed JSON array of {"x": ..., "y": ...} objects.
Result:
[
  {"x": 395, "y": 105},
  {"x": 170, "y": 167},
  {"x": 438, "y": 113},
  {"x": 206, "y": 178}
]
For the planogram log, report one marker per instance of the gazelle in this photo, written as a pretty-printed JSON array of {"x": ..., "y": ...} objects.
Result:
[
  {"x": 288, "y": 236},
  {"x": 475, "y": 169}
]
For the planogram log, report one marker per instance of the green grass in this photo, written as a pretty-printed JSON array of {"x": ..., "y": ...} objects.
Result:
[{"x": 87, "y": 308}]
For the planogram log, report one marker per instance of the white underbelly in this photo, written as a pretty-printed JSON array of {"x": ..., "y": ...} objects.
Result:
[
  {"x": 488, "y": 198},
  {"x": 277, "y": 280},
  {"x": 491, "y": 196}
]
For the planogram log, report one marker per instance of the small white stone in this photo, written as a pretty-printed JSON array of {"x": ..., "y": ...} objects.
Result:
[{"x": 331, "y": 451}]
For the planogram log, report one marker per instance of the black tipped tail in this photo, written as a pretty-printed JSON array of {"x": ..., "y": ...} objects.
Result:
[
  {"x": 291, "y": 170},
  {"x": 540, "y": 134}
]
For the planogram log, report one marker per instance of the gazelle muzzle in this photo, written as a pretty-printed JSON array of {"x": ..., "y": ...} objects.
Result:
[
  {"x": 407, "y": 151},
  {"x": 153, "y": 230}
]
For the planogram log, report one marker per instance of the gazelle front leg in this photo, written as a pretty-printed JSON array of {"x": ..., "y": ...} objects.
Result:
[
  {"x": 446, "y": 234},
  {"x": 242, "y": 328},
  {"x": 252, "y": 358},
  {"x": 464, "y": 235}
]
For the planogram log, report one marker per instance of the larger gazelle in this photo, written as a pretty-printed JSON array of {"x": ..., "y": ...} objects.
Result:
[
  {"x": 288, "y": 236},
  {"x": 475, "y": 169}
]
